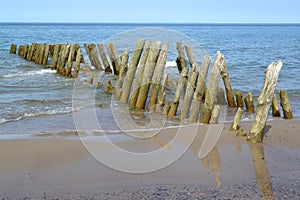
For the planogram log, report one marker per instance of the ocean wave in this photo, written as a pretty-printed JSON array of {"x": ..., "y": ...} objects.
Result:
[
  {"x": 57, "y": 111},
  {"x": 29, "y": 73}
]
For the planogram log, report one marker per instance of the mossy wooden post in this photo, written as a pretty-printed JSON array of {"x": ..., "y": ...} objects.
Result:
[
  {"x": 77, "y": 63},
  {"x": 237, "y": 119},
  {"x": 226, "y": 81},
  {"x": 13, "y": 49},
  {"x": 181, "y": 56},
  {"x": 130, "y": 74},
  {"x": 167, "y": 108},
  {"x": 249, "y": 103},
  {"x": 148, "y": 73},
  {"x": 181, "y": 84},
  {"x": 46, "y": 54},
  {"x": 188, "y": 96},
  {"x": 51, "y": 50},
  {"x": 139, "y": 75},
  {"x": 157, "y": 75},
  {"x": 215, "y": 114},
  {"x": 200, "y": 87},
  {"x": 70, "y": 60},
  {"x": 264, "y": 102},
  {"x": 285, "y": 104},
  {"x": 25, "y": 52},
  {"x": 104, "y": 60},
  {"x": 55, "y": 56},
  {"x": 94, "y": 56},
  {"x": 77, "y": 49},
  {"x": 63, "y": 59},
  {"x": 41, "y": 53},
  {"x": 35, "y": 52},
  {"x": 211, "y": 92},
  {"x": 275, "y": 108},
  {"x": 162, "y": 96},
  {"x": 239, "y": 99},
  {"x": 124, "y": 63},
  {"x": 114, "y": 58},
  {"x": 31, "y": 52}
]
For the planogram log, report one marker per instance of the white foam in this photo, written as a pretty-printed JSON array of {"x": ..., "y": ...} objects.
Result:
[
  {"x": 30, "y": 73},
  {"x": 171, "y": 64},
  {"x": 56, "y": 111}
]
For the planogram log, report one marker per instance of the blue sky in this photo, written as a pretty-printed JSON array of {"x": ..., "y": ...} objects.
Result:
[{"x": 151, "y": 11}]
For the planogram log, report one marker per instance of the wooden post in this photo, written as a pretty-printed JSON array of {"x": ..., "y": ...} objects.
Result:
[
  {"x": 221, "y": 99},
  {"x": 55, "y": 56},
  {"x": 77, "y": 63},
  {"x": 148, "y": 73},
  {"x": 237, "y": 119},
  {"x": 93, "y": 56},
  {"x": 41, "y": 53},
  {"x": 191, "y": 57},
  {"x": 215, "y": 114},
  {"x": 114, "y": 58},
  {"x": 35, "y": 52},
  {"x": 264, "y": 102},
  {"x": 109, "y": 87},
  {"x": 188, "y": 97},
  {"x": 199, "y": 93},
  {"x": 157, "y": 75},
  {"x": 63, "y": 59},
  {"x": 13, "y": 49},
  {"x": 285, "y": 104},
  {"x": 31, "y": 52},
  {"x": 275, "y": 108},
  {"x": 249, "y": 103},
  {"x": 77, "y": 49},
  {"x": 119, "y": 84},
  {"x": 181, "y": 56},
  {"x": 181, "y": 84},
  {"x": 211, "y": 92},
  {"x": 162, "y": 97},
  {"x": 90, "y": 79},
  {"x": 226, "y": 81},
  {"x": 70, "y": 60},
  {"x": 239, "y": 99},
  {"x": 46, "y": 54},
  {"x": 167, "y": 108},
  {"x": 136, "y": 55},
  {"x": 103, "y": 57},
  {"x": 139, "y": 75}
]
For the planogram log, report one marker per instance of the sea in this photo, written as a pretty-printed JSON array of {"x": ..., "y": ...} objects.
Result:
[{"x": 36, "y": 101}]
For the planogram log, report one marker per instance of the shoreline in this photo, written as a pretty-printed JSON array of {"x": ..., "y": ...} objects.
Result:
[{"x": 64, "y": 168}]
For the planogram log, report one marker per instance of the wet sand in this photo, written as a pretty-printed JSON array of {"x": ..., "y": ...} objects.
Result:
[{"x": 64, "y": 168}]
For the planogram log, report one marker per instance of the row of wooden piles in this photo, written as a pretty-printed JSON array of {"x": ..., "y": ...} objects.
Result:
[
  {"x": 142, "y": 81},
  {"x": 66, "y": 58}
]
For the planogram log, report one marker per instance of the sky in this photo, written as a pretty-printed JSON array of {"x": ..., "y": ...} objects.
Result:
[{"x": 151, "y": 11}]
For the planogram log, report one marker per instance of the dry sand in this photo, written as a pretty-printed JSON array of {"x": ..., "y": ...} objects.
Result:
[{"x": 62, "y": 168}]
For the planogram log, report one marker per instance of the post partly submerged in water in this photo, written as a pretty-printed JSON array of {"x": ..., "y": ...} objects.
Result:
[{"x": 264, "y": 102}]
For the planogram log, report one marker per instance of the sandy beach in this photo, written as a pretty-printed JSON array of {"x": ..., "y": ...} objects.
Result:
[{"x": 63, "y": 168}]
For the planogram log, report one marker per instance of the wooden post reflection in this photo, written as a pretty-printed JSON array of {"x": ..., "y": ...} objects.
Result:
[{"x": 261, "y": 171}]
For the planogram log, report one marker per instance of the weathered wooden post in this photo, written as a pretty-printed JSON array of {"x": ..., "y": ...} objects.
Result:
[
  {"x": 239, "y": 99},
  {"x": 114, "y": 57},
  {"x": 90, "y": 79},
  {"x": 63, "y": 59},
  {"x": 139, "y": 75},
  {"x": 55, "y": 56},
  {"x": 167, "y": 108},
  {"x": 249, "y": 103},
  {"x": 46, "y": 54},
  {"x": 31, "y": 51},
  {"x": 162, "y": 96},
  {"x": 93, "y": 56},
  {"x": 134, "y": 61},
  {"x": 13, "y": 49},
  {"x": 275, "y": 108},
  {"x": 188, "y": 96},
  {"x": 199, "y": 93},
  {"x": 148, "y": 73},
  {"x": 181, "y": 56},
  {"x": 237, "y": 119},
  {"x": 77, "y": 63},
  {"x": 226, "y": 81},
  {"x": 70, "y": 60},
  {"x": 157, "y": 75},
  {"x": 191, "y": 56},
  {"x": 211, "y": 92},
  {"x": 124, "y": 63},
  {"x": 181, "y": 84},
  {"x": 215, "y": 114},
  {"x": 264, "y": 102},
  {"x": 41, "y": 53},
  {"x": 109, "y": 87},
  {"x": 103, "y": 57},
  {"x": 285, "y": 104}
]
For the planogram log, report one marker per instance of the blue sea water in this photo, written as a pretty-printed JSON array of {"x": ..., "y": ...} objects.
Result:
[{"x": 34, "y": 99}]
